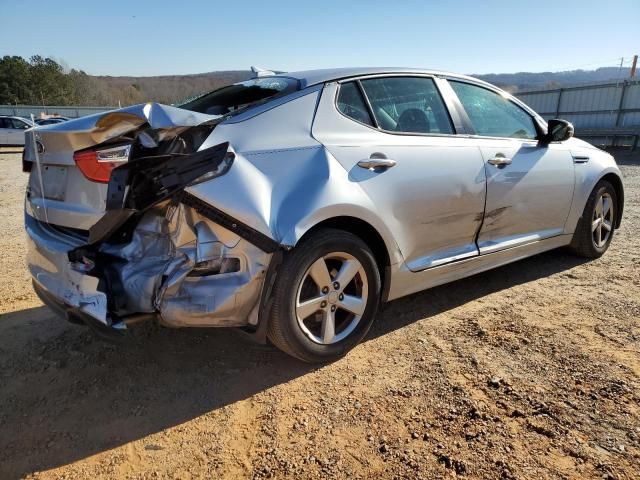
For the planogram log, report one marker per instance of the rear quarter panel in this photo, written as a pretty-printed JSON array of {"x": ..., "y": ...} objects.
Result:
[{"x": 283, "y": 182}]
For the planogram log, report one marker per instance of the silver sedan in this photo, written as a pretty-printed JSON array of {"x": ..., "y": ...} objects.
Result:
[{"x": 292, "y": 205}]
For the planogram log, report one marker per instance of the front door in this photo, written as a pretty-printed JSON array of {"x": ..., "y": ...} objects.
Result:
[
  {"x": 529, "y": 186},
  {"x": 426, "y": 184}
]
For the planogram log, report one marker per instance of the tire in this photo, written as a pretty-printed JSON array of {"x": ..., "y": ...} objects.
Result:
[
  {"x": 297, "y": 292},
  {"x": 585, "y": 239}
]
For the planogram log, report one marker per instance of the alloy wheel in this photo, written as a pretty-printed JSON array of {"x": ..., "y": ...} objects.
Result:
[
  {"x": 602, "y": 221},
  {"x": 331, "y": 298}
]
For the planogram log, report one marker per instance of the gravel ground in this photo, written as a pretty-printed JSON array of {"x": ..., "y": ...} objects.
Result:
[{"x": 528, "y": 371}]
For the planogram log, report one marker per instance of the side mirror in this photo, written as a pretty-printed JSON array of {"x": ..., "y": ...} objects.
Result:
[{"x": 558, "y": 131}]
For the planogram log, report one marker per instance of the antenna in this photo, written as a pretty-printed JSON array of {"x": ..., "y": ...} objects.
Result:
[{"x": 261, "y": 72}]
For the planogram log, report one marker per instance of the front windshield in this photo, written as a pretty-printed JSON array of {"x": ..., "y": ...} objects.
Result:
[{"x": 238, "y": 96}]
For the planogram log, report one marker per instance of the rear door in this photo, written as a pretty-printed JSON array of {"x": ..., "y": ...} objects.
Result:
[
  {"x": 397, "y": 141},
  {"x": 529, "y": 186}
]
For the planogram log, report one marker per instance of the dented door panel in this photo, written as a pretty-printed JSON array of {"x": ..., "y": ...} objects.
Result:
[
  {"x": 432, "y": 199},
  {"x": 528, "y": 199}
]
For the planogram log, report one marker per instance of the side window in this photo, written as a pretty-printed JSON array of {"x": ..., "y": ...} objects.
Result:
[
  {"x": 4, "y": 123},
  {"x": 19, "y": 124},
  {"x": 351, "y": 103},
  {"x": 493, "y": 115},
  {"x": 407, "y": 104}
]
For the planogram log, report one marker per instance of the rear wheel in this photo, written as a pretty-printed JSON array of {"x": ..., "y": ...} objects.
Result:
[
  {"x": 325, "y": 297},
  {"x": 595, "y": 229}
]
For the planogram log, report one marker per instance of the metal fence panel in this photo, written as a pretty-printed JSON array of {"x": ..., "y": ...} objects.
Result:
[
  {"x": 65, "y": 111},
  {"x": 591, "y": 120},
  {"x": 632, "y": 96},
  {"x": 630, "y": 119},
  {"x": 607, "y": 111},
  {"x": 585, "y": 100},
  {"x": 541, "y": 101}
]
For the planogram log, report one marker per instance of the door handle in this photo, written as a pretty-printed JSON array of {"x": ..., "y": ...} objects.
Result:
[
  {"x": 377, "y": 161},
  {"x": 499, "y": 160}
]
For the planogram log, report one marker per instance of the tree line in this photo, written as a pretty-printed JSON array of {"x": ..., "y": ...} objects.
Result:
[{"x": 43, "y": 81}]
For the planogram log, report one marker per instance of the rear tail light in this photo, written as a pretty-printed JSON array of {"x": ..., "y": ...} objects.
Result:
[{"x": 97, "y": 164}]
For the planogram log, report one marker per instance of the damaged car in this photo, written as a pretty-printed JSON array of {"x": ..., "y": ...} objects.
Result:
[{"x": 292, "y": 205}]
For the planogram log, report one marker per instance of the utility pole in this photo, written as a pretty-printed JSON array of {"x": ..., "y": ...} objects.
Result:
[
  {"x": 634, "y": 64},
  {"x": 620, "y": 67},
  {"x": 620, "y": 75}
]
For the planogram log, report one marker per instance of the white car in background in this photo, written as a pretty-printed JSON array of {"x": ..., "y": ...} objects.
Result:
[{"x": 12, "y": 130}]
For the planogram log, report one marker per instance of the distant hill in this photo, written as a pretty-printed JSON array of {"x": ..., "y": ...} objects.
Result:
[
  {"x": 166, "y": 88},
  {"x": 172, "y": 88},
  {"x": 514, "y": 82},
  {"x": 43, "y": 81}
]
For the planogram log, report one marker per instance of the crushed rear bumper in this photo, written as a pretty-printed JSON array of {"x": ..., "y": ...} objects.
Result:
[
  {"x": 78, "y": 316},
  {"x": 52, "y": 272},
  {"x": 156, "y": 249},
  {"x": 177, "y": 265}
]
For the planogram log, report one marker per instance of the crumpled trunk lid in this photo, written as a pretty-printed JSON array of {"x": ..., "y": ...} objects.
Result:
[{"x": 58, "y": 193}]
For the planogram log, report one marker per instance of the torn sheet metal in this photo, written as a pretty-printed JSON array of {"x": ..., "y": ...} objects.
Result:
[
  {"x": 152, "y": 252},
  {"x": 91, "y": 130},
  {"x": 154, "y": 271},
  {"x": 262, "y": 241},
  {"x": 141, "y": 183}
]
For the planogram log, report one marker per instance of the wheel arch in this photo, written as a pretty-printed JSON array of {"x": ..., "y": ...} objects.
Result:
[
  {"x": 368, "y": 234},
  {"x": 616, "y": 181}
]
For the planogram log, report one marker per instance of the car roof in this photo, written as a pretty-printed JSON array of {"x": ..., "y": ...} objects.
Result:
[
  {"x": 314, "y": 77},
  {"x": 309, "y": 78},
  {"x": 16, "y": 117}
]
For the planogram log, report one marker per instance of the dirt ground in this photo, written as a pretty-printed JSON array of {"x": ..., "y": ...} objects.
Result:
[{"x": 528, "y": 371}]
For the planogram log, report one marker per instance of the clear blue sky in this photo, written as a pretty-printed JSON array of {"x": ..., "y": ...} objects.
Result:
[{"x": 130, "y": 37}]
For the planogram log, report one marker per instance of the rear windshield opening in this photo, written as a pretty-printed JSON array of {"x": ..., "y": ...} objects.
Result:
[{"x": 241, "y": 95}]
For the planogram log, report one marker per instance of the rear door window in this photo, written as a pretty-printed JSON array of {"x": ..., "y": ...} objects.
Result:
[
  {"x": 407, "y": 105},
  {"x": 493, "y": 115},
  {"x": 19, "y": 124},
  {"x": 351, "y": 103}
]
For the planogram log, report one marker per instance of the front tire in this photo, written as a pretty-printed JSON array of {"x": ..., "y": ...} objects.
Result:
[
  {"x": 325, "y": 297},
  {"x": 595, "y": 229}
]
